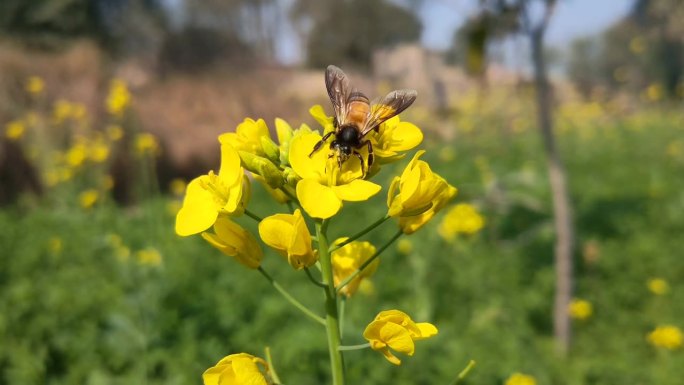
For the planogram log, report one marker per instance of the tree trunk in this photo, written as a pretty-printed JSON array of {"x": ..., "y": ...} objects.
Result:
[{"x": 562, "y": 211}]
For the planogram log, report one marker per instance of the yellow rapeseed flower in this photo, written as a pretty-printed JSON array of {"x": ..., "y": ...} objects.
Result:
[
  {"x": 324, "y": 186},
  {"x": 248, "y": 137},
  {"x": 119, "y": 98},
  {"x": 88, "y": 198},
  {"x": 77, "y": 154},
  {"x": 61, "y": 111},
  {"x": 580, "y": 309},
  {"x": 114, "y": 132},
  {"x": 667, "y": 336},
  {"x": 236, "y": 242},
  {"x": 393, "y": 329},
  {"x": 98, "y": 151},
  {"x": 149, "y": 256},
  {"x": 146, "y": 144},
  {"x": 394, "y": 136},
  {"x": 520, "y": 379},
  {"x": 658, "y": 286},
  {"x": 14, "y": 130},
  {"x": 34, "y": 85},
  {"x": 209, "y": 195},
  {"x": 177, "y": 186},
  {"x": 347, "y": 259},
  {"x": 405, "y": 246},
  {"x": 462, "y": 218},
  {"x": 417, "y": 195},
  {"x": 237, "y": 369},
  {"x": 289, "y": 236}
]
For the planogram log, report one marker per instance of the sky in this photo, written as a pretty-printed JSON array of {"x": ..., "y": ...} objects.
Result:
[{"x": 572, "y": 19}]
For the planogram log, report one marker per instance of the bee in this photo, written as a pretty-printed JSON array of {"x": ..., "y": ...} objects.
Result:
[{"x": 355, "y": 117}]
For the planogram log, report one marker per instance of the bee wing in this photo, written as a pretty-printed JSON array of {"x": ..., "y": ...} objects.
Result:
[
  {"x": 391, "y": 105},
  {"x": 338, "y": 86}
]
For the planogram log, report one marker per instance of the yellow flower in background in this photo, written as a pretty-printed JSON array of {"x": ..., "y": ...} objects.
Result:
[
  {"x": 77, "y": 154},
  {"x": 394, "y": 136},
  {"x": 34, "y": 85},
  {"x": 580, "y": 309},
  {"x": 149, "y": 256},
  {"x": 654, "y": 92},
  {"x": 61, "y": 111},
  {"x": 119, "y": 98},
  {"x": 462, "y": 218},
  {"x": 236, "y": 242},
  {"x": 114, "y": 132},
  {"x": 289, "y": 236},
  {"x": 248, "y": 137},
  {"x": 658, "y": 286},
  {"x": 55, "y": 245},
  {"x": 146, "y": 144},
  {"x": 667, "y": 336},
  {"x": 177, "y": 186},
  {"x": 417, "y": 195},
  {"x": 520, "y": 379},
  {"x": 14, "y": 130},
  {"x": 324, "y": 186},
  {"x": 347, "y": 259},
  {"x": 395, "y": 330},
  {"x": 88, "y": 198},
  {"x": 237, "y": 369},
  {"x": 98, "y": 151},
  {"x": 207, "y": 196},
  {"x": 405, "y": 246}
]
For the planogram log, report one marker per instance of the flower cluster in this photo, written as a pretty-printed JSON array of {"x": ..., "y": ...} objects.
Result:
[
  {"x": 313, "y": 183},
  {"x": 462, "y": 218},
  {"x": 667, "y": 337},
  {"x": 580, "y": 309}
]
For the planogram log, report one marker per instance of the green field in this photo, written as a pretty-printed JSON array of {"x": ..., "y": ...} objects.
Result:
[{"x": 79, "y": 304}]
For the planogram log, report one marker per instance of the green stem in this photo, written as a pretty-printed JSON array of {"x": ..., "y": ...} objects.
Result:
[
  {"x": 370, "y": 260},
  {"x": 354, "y": 347},
  {"x": 271, "y": 368},
  {"x": 313, "y": 279},
  {"x": 343, "y": 305},
  {"x": 464, "y": 372},
  {"x": 360, "y": 233},
  {"x": 290, "y": 298},
  {"x": 253, "y": 216},
  {"x": 332, "y": 317}
]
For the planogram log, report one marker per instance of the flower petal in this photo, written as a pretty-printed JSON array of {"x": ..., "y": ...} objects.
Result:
[
  {"x": 357, "y": 190},
  {"x": 199, "y": 210},
  {"x": 308, "y": 167},
  {"x": 397, "y": 338},
  {"x": 427, "y": 330},
  {"x": 277, "y": 232},
  {"x": 318, "y": 201}
]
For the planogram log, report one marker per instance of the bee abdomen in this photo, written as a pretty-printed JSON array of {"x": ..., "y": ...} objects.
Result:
[{"x": 356, "y": 96}]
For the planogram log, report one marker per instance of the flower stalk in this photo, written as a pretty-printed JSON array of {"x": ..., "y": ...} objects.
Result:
[
  {"x": 332, "y": 321},
  {"x": 290, "y": 298},
  {"x": 361, "y": 233}
]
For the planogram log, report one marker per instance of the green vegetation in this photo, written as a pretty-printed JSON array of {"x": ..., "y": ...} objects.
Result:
[{"x": 81, "y": 304}]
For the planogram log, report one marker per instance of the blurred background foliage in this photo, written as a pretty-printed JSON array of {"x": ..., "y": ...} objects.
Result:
[{"x": 108, "y": 107}]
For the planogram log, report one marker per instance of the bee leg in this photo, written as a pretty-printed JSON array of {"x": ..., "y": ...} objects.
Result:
[
  {"x": 363, "y": 168},
  {"x": 320, "y": 143},
  {"x": 371, "y": 158}
]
